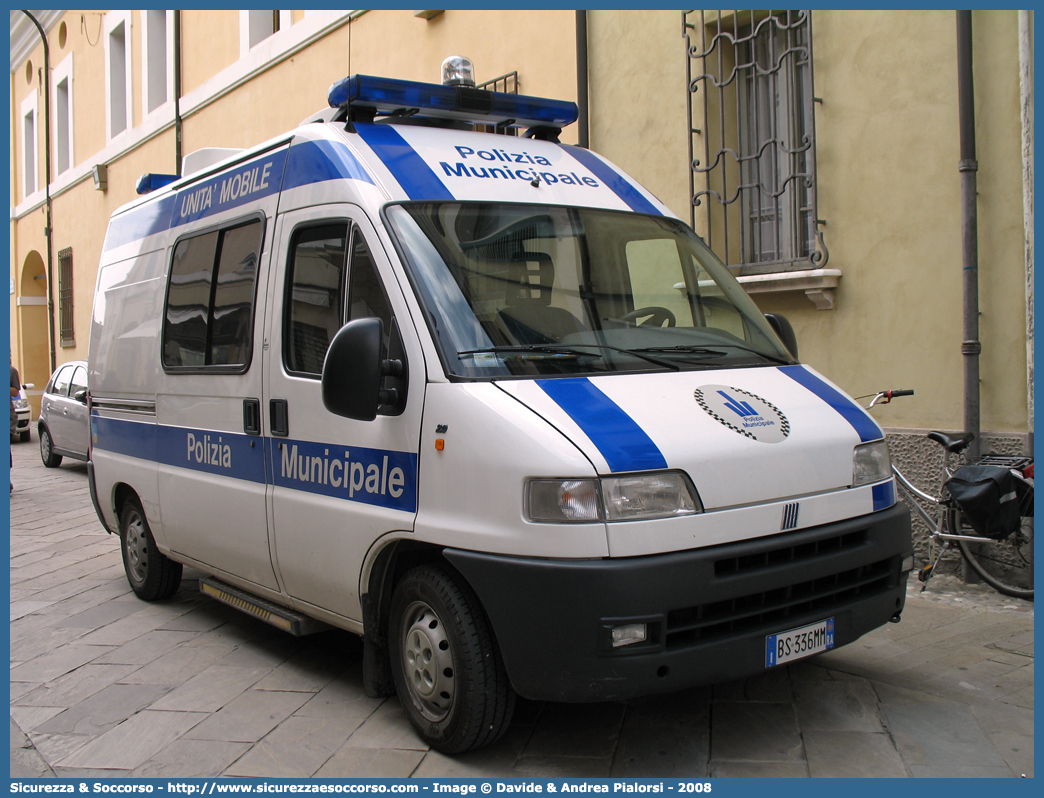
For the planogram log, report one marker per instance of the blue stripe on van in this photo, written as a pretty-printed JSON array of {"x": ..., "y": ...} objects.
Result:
[
  {"x": 624, "y": 445},
  {"x": 407, "y": 167},
  {"x": 317, "y": 161},
  {"x": 236, "y": 186},
  {"x": 863, "y": 424},
  {"x": 635, "y": 200},
  {"x": 227, "y": 454},
  {"x": 884, "y": 495},
  {"x": 381, "y": 477}
]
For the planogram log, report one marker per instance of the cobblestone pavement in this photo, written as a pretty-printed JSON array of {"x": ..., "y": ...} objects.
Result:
[{"x": 103, "y": 684}]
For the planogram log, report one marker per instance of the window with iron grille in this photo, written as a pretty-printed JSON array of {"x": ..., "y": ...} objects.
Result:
[
  {"x": 752, "y": 146},
  {"x": 65, "y": 297}
]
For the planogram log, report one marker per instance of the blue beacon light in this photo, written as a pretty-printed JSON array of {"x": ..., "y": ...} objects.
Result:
[{"x": 387, "y": 95}]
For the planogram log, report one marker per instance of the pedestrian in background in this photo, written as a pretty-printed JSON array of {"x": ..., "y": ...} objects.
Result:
[{"x": 16, "y": 387}]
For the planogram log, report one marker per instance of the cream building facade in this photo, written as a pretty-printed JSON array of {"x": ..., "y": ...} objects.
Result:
[{"x": 817, "y": 151}]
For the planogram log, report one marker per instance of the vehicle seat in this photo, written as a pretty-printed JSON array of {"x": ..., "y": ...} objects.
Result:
[{"x": 529, "y": 317}]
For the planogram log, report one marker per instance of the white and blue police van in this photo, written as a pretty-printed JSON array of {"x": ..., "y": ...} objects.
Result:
[{"x": 482, "y": 399}]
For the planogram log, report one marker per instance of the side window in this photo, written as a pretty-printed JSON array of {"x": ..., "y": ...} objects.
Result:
[
  {"x": 316, "y": 307},
  {"x": 366, "y": 295},
  {"x": 232, "y": 309},
  {"x": 210, "y": 299},
  {"x": 314, "y": 303},
  {"x": 714, "y": 309},
  {"x": 188, "y": 302},
  {"x": 657, "y": 279},
  {"x": 79, "y": 381},
  {"x": 61, "y": 381}
]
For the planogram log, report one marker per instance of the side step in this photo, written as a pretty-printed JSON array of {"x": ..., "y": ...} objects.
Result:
[{"x": 279, "y": 617}]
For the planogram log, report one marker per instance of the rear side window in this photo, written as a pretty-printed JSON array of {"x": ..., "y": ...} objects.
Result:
[
  {"x": 60, "y": 386},
  {"x": 79, "y": 381},
  {"x": 210, "y": 299}
]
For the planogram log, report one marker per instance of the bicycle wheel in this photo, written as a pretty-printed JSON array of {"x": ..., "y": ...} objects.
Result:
[{"x": 1005, "y": 565}]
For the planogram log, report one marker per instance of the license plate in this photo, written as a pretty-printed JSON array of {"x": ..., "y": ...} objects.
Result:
[{"x": 797, "y": 643}]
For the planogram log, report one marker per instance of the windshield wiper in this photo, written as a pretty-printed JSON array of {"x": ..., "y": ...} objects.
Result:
[
  {"x": 688, "y": 350},
  {"x": 773, "y": 358},
  {"x": 553, "y": 349},
  {"x": 708, "y": 352},
  {"x": 572, "y": 349}
]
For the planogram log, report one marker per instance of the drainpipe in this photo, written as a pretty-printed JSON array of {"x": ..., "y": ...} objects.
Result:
[
  {"x": 583, "y": 134},
  {"x": 177, "y": 93},
  {"x": 47, "y": 180},
  {"x": 1026, "y": 105},
  {"x": 968, "y": 166}
]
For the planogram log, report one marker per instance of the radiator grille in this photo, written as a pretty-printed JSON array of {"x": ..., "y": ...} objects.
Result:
[
  {"x": 693, "y": 625},
  {"x": 782, "y": 555}
]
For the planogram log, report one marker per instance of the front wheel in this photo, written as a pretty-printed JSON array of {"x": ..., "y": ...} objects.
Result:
[
  {"x": 152, "y": 576},
  {"x": 447, "y": 669},
  {"x": 24, "y": 437},
  {"x": 1005, "y": 565}
]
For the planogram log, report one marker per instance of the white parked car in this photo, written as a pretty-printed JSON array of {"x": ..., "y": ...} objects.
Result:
[{"x": 24, "y": 413}]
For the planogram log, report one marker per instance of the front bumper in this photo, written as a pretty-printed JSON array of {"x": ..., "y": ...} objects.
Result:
[{"x": 708, "y": 610}]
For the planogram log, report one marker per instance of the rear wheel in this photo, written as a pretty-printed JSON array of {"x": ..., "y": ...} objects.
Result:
[
  {"x": 447, "y": 669},
  {"x": 50, "y": 459},
  {"x": 1005, "y": 565},
  {"x": 152, "y": 576}
]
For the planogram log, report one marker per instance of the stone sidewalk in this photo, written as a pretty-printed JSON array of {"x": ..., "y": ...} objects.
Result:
[{"x": 103, "y": 684}]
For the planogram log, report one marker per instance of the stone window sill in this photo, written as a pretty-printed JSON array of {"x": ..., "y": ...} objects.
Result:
[{"x": 818, "y": 284}]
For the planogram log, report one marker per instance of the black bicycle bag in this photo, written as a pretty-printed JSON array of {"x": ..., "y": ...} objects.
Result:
[{"x": 988, "y": 496}]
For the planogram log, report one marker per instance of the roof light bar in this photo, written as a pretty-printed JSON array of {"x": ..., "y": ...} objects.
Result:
[
  {"x": 387, "y": 95},
  {"x": 150, "y": 182}
]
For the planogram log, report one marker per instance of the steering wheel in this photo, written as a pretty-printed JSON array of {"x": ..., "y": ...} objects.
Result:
[{"x": 658, "y": 316}]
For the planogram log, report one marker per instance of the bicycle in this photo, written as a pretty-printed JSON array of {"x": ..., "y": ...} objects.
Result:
[{"x": 1005, "y": 564}]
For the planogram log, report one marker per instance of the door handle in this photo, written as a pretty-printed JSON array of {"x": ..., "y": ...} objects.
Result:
[
  {"x": 252, "y": 416},
  {"x": 279, "y": 417}
]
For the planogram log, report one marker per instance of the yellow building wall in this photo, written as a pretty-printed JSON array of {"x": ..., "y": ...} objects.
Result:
[
  {"x": 887, "y": 143},
  {"x": 887, "y": 146},
  {"x": 209, "y": 43},
  {"x": 88, "y": 79},
  {"x": 279, "y": 98},
  {"x": 638, "y": 118}
]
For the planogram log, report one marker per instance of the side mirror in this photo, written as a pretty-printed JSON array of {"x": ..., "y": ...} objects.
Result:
[
  {"x": 781, "y": 325},
  {"x": 29, "y": 386},
  {"x": 353, "y": 370},
  {"x": 81, "y": 396}
]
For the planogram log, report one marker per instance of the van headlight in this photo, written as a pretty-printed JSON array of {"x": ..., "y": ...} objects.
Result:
[
  {"x": 21, "y": 404},
  {"x": 871, "y": 463},
  {"x": 635, "y": 497}
]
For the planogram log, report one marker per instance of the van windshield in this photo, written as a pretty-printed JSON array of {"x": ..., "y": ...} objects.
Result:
[{"x": 540, "y": 290}]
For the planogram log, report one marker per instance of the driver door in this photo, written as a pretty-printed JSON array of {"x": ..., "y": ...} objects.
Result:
[{"x": 336, "y": 484}]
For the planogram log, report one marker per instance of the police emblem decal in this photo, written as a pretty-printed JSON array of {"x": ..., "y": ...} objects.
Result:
[{"x": 744, "y": 412}]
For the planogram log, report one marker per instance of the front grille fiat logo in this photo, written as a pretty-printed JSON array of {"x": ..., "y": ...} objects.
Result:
[
  {"x": 790, "y": 517},
  {"x": 744, "y": 412}
]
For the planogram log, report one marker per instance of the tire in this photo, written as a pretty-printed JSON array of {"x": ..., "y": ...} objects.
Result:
[
  {"x": 447, "y": 668},
  {"x": 50, "y": 459},
  {"x": 152, "y": 576},
  {"x": 24, "y": 437},
  {"x": 1005, "y": 565}
]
